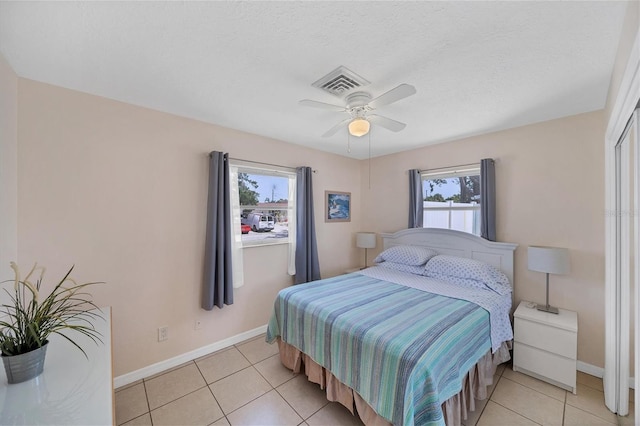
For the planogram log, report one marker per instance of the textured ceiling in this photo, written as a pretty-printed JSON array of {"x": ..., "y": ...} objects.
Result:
[{"x": 478, "y": 67}]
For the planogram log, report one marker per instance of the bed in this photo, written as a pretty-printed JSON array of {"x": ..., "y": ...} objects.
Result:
[{"x": 394, "y": 346}]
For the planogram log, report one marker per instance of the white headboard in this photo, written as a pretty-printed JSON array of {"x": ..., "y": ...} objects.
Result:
[{"x": 456, "y": 243}]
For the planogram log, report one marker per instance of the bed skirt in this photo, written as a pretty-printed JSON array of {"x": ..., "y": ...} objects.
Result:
[{"x": 455, "y": 409}]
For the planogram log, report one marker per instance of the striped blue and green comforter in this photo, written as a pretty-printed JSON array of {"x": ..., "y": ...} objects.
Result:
[{"x": 403, "y": 350}]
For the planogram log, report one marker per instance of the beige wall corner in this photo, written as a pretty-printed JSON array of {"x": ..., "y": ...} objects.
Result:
[{"x": 8, "y": 168}]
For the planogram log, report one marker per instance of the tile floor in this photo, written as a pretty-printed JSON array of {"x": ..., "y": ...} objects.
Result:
[{"x": 247, "y": 385}]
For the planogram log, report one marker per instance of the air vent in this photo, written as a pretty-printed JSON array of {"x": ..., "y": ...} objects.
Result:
[{"x": 340, "y": 82}]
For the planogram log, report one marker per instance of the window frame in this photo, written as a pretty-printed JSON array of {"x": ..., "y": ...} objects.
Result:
[{"x": 267, "y": 170}]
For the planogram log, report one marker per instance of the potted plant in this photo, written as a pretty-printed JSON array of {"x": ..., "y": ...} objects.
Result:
[{"x": 28, "y": 319}]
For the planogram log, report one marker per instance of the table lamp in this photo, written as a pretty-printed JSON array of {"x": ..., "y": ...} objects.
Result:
[
  {"x": 365, "y": 240},
  {"x": 551, "y": 260}
]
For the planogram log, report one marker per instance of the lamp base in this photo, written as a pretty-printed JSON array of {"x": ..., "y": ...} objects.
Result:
[{"x": 547, "y": 308}]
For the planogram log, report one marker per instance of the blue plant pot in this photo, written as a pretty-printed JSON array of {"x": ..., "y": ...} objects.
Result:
[{"x": 23, "y": 367}]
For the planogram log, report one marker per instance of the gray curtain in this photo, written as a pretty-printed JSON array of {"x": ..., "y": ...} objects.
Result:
[
  {"x": 416, "y": 206},
  {"x": 307, "y": 265},
  {"x": 217, "y": 287},
  {"x": 488, "y": 199}
]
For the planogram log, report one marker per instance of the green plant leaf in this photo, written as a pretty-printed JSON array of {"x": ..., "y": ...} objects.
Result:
[{"x": 29, "y": 319}]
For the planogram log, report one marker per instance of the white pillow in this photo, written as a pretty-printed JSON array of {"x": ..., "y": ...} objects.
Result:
[
  {"x": 468, "y": 271},
  {"x": 416, "y": 270},
  {"x": 406, "y": 255}
]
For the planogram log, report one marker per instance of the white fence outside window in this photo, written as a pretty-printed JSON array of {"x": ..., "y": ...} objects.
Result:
[{"x": 463, "y": 217}]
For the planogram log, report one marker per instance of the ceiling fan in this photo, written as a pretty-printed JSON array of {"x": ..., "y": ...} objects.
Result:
[{"x": 359, "y": 107}]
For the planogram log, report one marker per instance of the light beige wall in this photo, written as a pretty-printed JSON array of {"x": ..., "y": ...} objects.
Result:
[
  {"x": 627, "y": 38},
  {"x": 8, "y": 165},
  {"x": 550, "y": 191},
  {"x": 120, "y": 191}
]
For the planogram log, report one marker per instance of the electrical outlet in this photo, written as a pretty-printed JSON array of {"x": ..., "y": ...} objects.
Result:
[
  {"x": 163, "y": 334},
  {"x": 197, "y": 325}
]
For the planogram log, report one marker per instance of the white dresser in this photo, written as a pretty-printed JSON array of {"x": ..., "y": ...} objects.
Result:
[
  {"x": 545, "y": 345},
  {"x": 72, "y": 390}
]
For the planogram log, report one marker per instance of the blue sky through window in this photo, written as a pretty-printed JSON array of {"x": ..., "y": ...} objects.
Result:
[
  {"x": 448, "y": 189},
  {"x": 268, "y": 185}
]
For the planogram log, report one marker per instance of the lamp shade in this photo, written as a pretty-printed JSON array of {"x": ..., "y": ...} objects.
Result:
[
  {"x": 359, "y": 127},
  {"x": 552, "y": 260},
  {"x": 366, "y": 240}
]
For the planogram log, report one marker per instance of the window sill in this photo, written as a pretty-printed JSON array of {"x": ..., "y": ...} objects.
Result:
[{"x": 274, "y": 243}]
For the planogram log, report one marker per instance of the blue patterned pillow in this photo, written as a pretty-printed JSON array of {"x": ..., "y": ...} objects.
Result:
[
  {"x": 417, "y": 270},
  {"x": 468, "y": 271},
  {"x": 407, "y": 255}
]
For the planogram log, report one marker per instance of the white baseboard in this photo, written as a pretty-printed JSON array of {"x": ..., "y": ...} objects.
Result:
[
  {"x": 161, "y": 366},
  {"x": 599, "y": 372},
  {"x": 590, "y": 369}
]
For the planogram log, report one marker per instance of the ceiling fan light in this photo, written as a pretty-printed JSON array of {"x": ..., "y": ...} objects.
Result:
[{"x": 359, "y": 127}]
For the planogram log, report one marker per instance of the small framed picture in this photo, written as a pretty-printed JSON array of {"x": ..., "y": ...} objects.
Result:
[{"x": 337, "y": 206}]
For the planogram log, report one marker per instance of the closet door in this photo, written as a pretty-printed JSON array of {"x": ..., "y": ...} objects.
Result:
[
  {"x": 634, "y": 252},
  {"x": 626, "y": 265}
]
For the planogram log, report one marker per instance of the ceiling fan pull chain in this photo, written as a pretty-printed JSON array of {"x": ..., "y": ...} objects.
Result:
[{"x": 348, "y": 142}]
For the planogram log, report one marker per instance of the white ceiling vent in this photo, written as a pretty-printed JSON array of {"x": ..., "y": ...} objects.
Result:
[{"x": 340, "y": 82}]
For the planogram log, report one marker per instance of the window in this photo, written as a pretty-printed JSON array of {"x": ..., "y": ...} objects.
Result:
[
  {"x": 452, "y": 199},
  {"x": 265, "y": 205}
]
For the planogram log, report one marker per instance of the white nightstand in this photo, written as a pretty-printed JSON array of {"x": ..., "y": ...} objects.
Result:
[{"x": 545, "y": 345}]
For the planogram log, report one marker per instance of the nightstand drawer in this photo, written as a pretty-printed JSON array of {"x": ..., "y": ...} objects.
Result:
[
  {"x": 545, "y": 364},
  {"x": 554, "y": 340}
]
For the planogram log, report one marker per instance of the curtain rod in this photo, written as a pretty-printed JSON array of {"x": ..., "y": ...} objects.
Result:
[
  {"x": 266, "y": 164},
  {"x": 450, "y": 167}
]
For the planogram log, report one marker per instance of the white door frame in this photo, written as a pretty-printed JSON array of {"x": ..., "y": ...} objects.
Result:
[{"x": 617, "y": 317}]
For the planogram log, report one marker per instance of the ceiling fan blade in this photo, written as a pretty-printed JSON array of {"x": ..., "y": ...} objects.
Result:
[
  {"x": 322, "y": 105},
  {"x": 400, "y": 92},
  {"x": 387, "y": 123},
  {"x": 332, "y": 131}
]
